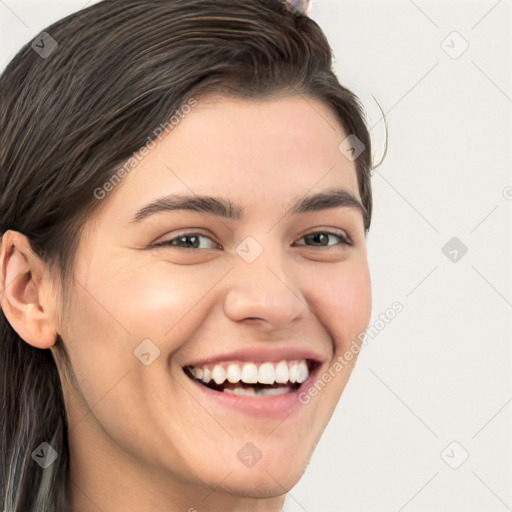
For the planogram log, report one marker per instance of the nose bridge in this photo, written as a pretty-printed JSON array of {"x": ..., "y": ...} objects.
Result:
[{"x": 261, "y": 286}]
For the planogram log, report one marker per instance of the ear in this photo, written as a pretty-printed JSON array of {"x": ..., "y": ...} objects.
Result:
[{"x": 26, "y": 294}]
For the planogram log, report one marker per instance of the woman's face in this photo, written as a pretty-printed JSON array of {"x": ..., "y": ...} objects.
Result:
[{"x": 184, "y": 288}]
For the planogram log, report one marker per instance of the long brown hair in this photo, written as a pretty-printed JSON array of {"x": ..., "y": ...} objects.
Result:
[{"x": 71, "y": 117}]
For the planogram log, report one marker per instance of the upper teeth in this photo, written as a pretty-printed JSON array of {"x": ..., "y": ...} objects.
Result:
[{"x": 250, "y": 373}]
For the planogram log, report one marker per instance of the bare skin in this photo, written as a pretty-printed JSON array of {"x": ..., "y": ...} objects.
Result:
[{"x": 147, "y": 438}]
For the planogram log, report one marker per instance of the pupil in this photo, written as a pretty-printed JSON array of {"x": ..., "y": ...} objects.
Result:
[
  {"x": 190, "y": 238},
  {"x": 315, "y": 236}
]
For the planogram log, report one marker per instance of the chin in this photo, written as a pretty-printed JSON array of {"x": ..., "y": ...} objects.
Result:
[
  {"x": 269, "y": 477},
  {"x": 266, "y": 485}
]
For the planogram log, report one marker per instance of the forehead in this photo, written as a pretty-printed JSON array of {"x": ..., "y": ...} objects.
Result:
[{"x": 261, "y": 153}]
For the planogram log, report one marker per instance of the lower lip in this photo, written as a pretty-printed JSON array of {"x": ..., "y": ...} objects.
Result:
[{"x": 259, "y": 406}]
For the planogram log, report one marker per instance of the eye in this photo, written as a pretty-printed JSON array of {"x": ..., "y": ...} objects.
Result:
[
  {"x": 318, "y": 237},
  {"x": 193, "y": 240},
  {"x": 187, "y": 241}
]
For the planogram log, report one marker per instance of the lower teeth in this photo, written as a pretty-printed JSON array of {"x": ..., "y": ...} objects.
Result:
[{"x": 257, "y": 392}]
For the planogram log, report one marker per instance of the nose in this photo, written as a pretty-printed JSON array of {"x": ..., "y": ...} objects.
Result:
[{"x": 266, "y": 290}]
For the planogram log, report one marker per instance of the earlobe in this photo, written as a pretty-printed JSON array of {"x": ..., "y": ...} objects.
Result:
[{"x": 24, "y": 299}]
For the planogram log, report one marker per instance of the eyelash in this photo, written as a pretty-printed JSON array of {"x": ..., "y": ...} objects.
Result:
[{"x": 344, "y": 240}]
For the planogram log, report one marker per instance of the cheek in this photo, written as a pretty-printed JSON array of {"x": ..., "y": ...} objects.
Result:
[
  {"x": 168, "y": 300},
  {"x": 138, "y": 298},
  {"x": 98, "y": 343},
  {"x": 344, "y": 302}
]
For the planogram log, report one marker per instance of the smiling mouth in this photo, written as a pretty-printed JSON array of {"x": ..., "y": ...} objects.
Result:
[{"x": 290, "y": 380}]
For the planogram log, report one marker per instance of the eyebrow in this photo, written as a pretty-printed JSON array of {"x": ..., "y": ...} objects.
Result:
[{"x": 225, "y": 208}]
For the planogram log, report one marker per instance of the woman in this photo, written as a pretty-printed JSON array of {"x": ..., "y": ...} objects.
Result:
[{"x": 185, "y": 194}]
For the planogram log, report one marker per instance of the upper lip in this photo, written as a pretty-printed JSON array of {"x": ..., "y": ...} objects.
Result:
[{"x": 261, "y": 355}]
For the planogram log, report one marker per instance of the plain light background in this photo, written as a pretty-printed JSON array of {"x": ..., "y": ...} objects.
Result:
[{"x": 439, "y": 372}]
